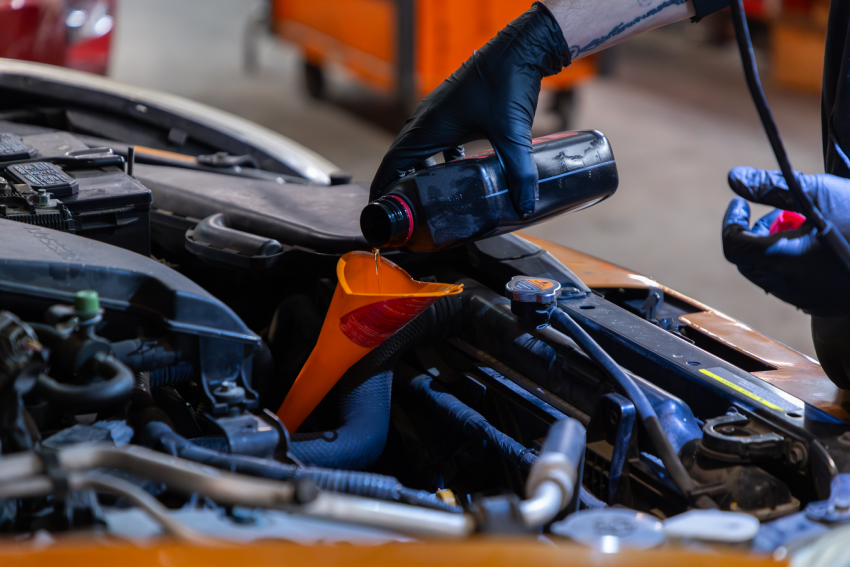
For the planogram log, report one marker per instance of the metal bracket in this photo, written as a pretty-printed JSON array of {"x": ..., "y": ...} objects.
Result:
[
  {"x": 652, "y": 304},
  {"x": 247, "y": 434},
  {"x": 726, "y": 439},
  {"x": 262, "y": 435},
  {"x": 609, "y": 436}
]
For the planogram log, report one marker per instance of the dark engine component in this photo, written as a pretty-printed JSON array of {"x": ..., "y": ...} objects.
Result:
[
  {"x": 184, "y": 324},
  {"x": 459, "y": 405},
  {"x": 290, "y": 217},
  {"x": 63, "y": 184}
]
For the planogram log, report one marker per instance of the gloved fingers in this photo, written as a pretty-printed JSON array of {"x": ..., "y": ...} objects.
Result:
[
  {"x": 520, "y": 171},
  {"x": 408, "y": 153},
  {"x": 737, "y": 214},
  {"x": 454, "y": 153},
  {"x": 770, "y": 188},
  {"x": 750, "y": 250},
  {"x": 762, "y": 226},
  {"x": 424, "y": 164},
  {"x": 740, "y": 246}
]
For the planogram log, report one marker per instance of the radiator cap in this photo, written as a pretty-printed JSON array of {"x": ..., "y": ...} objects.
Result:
[{"x": 526, "y": 289}]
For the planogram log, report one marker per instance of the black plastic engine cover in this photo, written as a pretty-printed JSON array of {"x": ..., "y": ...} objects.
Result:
[
  {"x": 40, "y": 267},
  {"x": 102, "y": 203},
  {"x": 320, "y": 218}
]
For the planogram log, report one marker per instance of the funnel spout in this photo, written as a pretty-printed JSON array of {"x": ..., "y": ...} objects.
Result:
[{"x": 364, "y": 312}]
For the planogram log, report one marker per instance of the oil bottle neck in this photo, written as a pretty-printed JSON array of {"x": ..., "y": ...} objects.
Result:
[{"x": 387, "y": 221}]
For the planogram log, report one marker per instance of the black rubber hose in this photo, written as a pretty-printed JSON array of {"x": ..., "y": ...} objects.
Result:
[
  {"x": 112, "y": 384},
  {"x": 459, "y": 414},
  {"x": 652, "y": 426},
  {"x": 469, "y": 421},
  {"x": 159, "y": 436},
  {"x": 826, "y": 229},
  {"x": 364, "y": 394},
  {"x": 363, "y": 409},
  {"x": 171, "y": 375},
  {"x": 142, "y": 355}
]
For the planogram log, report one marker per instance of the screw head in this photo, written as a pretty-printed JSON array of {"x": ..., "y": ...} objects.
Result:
[{"x": 229, "y": 392}]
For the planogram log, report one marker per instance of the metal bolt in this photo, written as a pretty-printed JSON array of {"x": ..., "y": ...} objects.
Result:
[
  {"x": 571, "y": 293},
  {"x": 43, "y": 197},
  {"x": 228, "y": 392},
  {"x": 797, "y": 454}
]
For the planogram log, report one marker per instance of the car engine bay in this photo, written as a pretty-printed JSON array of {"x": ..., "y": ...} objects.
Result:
[{"x": 164, "y": 282}]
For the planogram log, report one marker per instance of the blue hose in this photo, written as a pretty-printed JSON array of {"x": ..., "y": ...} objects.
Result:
[
  {"x": 364, "y": 395},
  {"x": 472, "y": 423}
]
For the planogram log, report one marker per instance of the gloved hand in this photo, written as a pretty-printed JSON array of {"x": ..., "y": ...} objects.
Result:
[
  {"x": 493, "y": 95},
  {"x": 795, "y": 265}
]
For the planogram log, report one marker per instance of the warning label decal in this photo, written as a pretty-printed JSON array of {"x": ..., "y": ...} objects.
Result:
[{"x": 753, "y": 391}]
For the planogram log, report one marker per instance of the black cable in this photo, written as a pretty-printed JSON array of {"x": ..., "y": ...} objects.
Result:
[
  {"x": 826, "y": 229},
  {"x": 652, "y": 426},
  {"x": 159, "y": 436},
  {"x": 469, "y": 421}
]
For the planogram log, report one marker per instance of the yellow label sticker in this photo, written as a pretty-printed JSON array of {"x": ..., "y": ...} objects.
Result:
[
  {"x": 540, "y": 284},
  {"x": 741, "y": 390}
]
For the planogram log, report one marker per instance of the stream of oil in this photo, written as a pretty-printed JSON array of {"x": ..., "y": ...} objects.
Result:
[{"x": 377, "y": 253}]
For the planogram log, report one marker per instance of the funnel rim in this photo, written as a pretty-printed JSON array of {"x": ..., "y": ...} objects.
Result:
[{"x": 453, "y": 289}]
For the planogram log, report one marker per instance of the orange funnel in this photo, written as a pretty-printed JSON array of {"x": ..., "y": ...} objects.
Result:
[{"x": 364, "y": 313}]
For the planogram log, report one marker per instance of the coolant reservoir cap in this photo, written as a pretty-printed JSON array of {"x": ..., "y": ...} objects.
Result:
[
  {"x": 611, "y": 530},
  {"x": 526, "y": 289}
]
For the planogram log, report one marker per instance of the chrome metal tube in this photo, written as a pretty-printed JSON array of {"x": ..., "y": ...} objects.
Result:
[
  {"x": 411, "y": 520},
  {"x": 181, "y": 475},
  {"x": 543, "y": 506},
  {"x": 43, "y": 485}
]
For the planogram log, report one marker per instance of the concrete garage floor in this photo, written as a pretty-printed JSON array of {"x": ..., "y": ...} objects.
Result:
[{"x": 676, "y": 112}]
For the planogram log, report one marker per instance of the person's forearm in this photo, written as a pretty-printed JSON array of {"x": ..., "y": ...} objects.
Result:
[{"x": 593, "y": 25}]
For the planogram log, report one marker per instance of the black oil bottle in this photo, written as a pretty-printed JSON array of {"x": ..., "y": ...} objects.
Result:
[{"x": 467, "y": 199}]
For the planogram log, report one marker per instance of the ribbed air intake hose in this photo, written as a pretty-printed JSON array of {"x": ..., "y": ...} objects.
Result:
[{"x": 364, "y": 394}]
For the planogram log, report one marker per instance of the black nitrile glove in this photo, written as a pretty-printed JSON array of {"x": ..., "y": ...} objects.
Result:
[
  {"x": 493, "y": 95},
  {"x": 794, "y": 265}
]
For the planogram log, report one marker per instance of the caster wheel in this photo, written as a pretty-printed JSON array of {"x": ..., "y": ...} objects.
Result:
[{"x": 314, "y": 80}]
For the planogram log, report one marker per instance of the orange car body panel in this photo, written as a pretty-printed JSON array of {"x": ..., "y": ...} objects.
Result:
[
  {"x": 791, "y": 372},
  {"x": 478, "y": 552}
]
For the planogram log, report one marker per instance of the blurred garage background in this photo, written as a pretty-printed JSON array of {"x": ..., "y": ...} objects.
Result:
[{"x": 672, "y": 102}]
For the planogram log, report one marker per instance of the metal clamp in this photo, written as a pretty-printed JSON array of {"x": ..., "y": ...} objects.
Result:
[{"x": 725, "y": 439}]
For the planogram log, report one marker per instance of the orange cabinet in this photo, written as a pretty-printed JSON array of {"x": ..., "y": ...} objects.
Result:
[{"x": 403, "y": 47}]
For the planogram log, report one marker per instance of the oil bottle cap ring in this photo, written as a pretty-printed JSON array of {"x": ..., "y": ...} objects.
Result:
[
  {"x": 409, "y": 216},
  {"x": 387, "y": 221},
  {"x": 527, "y": 289}
]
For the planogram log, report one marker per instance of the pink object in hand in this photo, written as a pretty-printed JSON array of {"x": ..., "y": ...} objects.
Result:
[{"x": 787, "y": 221}]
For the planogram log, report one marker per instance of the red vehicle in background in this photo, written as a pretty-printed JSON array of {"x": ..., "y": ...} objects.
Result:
[{"x": 71, "y": 33}]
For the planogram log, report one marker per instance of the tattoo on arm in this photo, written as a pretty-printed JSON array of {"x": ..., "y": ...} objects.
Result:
[{"x": 576, "y": 50}]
